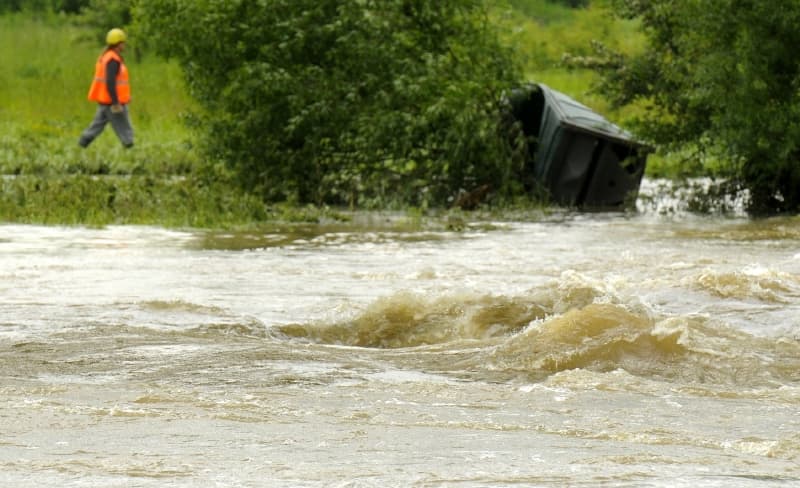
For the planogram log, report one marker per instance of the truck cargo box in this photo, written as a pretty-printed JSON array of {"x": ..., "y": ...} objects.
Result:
[{"x": 579, "y": 157}]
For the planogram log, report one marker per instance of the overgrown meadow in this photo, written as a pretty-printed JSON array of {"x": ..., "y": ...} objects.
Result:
[{"x": 47, "y": 178}]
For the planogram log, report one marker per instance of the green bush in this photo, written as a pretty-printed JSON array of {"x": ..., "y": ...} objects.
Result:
[
  {"x": 43, "y": 6},
  {"x": 367, "y": 103},
  {"x": 721, "y": 78}
]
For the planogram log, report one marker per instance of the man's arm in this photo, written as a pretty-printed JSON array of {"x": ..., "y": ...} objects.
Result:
[{"x": 112, "y": 70}]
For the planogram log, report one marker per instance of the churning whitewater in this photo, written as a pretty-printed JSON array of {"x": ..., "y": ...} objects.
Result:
[{"x": 641, "y": 349}]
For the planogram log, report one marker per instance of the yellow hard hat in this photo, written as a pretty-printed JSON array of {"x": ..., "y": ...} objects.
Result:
[{"x": 115, "y": 36}]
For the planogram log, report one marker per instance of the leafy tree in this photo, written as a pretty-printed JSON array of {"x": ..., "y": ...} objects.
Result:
[
  {"x": 71, "y": 6},
  {"x": 722, "y": 76},
  {"x": 103, "y": 15},
  {"x": 19, "y": 5},
  {"x": 573, "y": 3},
  {"x": 361, "y": 102},
  {"x": 529, "y": 5},
  {"x": 66, "y": 6}
]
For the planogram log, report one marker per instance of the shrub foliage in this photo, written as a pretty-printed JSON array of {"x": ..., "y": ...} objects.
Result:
[
  {"x": 364, "y": 102},
  {"x": 722, "y": 76}
]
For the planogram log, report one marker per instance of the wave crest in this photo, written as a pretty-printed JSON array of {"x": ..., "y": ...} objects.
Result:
[
  {"x": 760, "y": 284},
  {"x": 599, "y": 337},
  {"x": 408, "y": 320},
  {"x": 574, "y": 323}
]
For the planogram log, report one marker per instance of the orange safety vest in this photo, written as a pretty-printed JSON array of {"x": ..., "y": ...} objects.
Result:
[{"x": 98, "y": 92}]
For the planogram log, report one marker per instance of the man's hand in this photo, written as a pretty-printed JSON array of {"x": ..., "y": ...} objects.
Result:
[{"x": 116, "y": 108}]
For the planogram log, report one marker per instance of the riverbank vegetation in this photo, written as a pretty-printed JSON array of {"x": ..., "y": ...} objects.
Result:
[
  {"x": 721, "y": 80},
  {"x": 404, "y": 115},
  {"x": 365, "y": 104}
]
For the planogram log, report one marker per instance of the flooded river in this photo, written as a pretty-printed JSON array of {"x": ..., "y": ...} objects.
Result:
[{"x": 640, "y": 350}]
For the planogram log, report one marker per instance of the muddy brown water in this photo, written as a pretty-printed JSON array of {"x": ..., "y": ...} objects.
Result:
[{"x": 586, "y": 350}]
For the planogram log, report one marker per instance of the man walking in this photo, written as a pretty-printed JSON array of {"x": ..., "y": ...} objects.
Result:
[{"x": 111, "y": 91}]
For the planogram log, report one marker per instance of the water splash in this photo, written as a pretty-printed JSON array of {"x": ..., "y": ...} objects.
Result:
[
  {"x": 696, "y": 195},
  {"x": 573, "y": 323}
]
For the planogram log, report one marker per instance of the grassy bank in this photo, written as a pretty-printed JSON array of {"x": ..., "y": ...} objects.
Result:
[{"x": 47, "y": 66}]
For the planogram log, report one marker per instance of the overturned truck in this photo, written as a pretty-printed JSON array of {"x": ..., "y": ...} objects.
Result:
[{"x": 579, "y": 158}]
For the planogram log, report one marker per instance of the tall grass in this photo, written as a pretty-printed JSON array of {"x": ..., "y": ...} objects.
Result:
[
  {"x": 47, "y": 67},
  {"x": 543, "y": 32}
]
